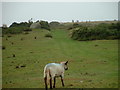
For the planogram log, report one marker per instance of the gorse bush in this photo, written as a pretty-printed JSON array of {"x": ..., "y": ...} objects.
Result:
[
  {"x": 15, "y": 30},
  {"x": 78, "y": 31},
  {"x": 11, "y": 30},
  {"x": 22, "y": 24},
  {"x": 75, "y": 25},
  {"x": 48, "y": 35},
  {"x": 97, "y": 32},
  {"x": 54, "y": 24},
  {"x": 44, "y": 25}
]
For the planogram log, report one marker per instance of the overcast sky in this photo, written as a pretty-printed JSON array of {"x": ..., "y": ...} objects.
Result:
[{"x": 58, "y": 11}]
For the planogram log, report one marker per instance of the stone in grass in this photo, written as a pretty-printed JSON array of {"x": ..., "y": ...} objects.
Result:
[{"x": 81, "y": 81}]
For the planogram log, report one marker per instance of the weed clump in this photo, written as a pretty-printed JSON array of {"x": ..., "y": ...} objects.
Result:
[
  {"x": 3, "y": 47},
  {"x": 48, "y": 35}
]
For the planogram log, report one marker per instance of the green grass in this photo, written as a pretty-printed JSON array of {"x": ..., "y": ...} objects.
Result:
[
  {"x": 91, "y": 63},
  {"x": 0, "y": 62}
]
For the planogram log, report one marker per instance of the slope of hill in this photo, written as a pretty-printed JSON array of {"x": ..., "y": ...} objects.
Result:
[{"x": 91, "y": 63}]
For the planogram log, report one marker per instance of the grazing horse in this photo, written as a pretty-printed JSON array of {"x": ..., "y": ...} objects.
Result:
[{"x": 53, "y": 70}]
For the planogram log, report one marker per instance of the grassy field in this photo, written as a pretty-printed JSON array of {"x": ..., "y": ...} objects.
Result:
[
  {"x": 92, "y": 64},
  {"x": 0, "y": 62}
]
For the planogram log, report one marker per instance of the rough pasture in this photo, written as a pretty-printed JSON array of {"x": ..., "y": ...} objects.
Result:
[{"x": 91, "y": 63}]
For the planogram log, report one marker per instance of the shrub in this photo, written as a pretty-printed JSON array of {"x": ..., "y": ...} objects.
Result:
[
  {"x": 48, "y": 35},
  {"x": 26, "y": 32},
  {"x": 75, "y": 25},
  {"x": 15, "y": 30},
  {"x": 22, "y": 24},
  {"x": 54, "y": 24},
  {"x": 44, "y": 25},
  {"x": 27, "y": 29},
  {"x": 98, "y": 32},
  {"x": 3, "y": 47}
]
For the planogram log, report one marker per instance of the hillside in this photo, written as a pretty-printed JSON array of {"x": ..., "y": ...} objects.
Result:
[{"x": 92, "y": 64}]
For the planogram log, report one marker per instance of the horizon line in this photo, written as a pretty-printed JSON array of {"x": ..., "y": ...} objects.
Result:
[{"x": 65, "y": 21}]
